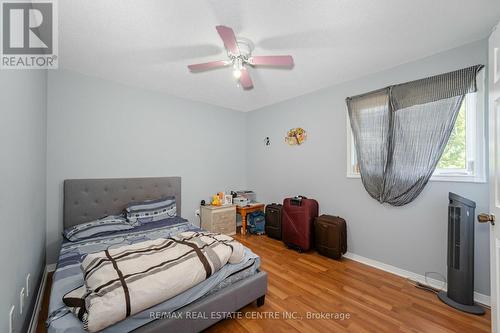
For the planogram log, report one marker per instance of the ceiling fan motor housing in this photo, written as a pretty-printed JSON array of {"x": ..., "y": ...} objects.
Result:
[{"x": 246, "y": 46}]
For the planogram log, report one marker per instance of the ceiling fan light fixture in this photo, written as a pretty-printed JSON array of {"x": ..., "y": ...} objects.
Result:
[
  {"x": 236, "y": 73},
  {"x": 237, "y": 67}
]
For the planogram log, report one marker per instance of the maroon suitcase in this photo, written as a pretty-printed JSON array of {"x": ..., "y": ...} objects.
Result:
[{"x": 298, "y": 222}]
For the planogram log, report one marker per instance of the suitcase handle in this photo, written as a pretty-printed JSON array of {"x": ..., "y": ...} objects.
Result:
[{"x": 297, "y": 200}]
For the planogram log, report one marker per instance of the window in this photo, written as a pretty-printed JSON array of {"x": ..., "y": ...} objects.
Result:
[{"x": 463, "y": 158}]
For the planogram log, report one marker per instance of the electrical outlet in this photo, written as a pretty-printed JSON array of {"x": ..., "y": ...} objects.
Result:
[
  {"x": 197, "y": 212},
  {"x": 28, "y": 284},
  {"x": 11, "y": 319},
  {"x": 21, "y": 301}
]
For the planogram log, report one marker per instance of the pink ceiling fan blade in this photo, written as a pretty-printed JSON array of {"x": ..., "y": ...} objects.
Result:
[
  {"x": 279, "y": 61},
  {"x": 229, "y": 39},
  {"x": 208, "y": 65},
  {"x": 245, "y": 80}
]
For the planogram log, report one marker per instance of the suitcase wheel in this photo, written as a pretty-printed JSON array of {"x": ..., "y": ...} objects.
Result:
[{"x": 294, "y": 247}]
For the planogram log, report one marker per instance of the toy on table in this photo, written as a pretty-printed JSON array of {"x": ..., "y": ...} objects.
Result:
[
  {"x": 215, "y": 200},
  {"x": 221, "y": 199}
]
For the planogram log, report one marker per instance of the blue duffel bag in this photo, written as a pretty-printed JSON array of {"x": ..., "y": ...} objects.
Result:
[{"x": 257, "y": 223}]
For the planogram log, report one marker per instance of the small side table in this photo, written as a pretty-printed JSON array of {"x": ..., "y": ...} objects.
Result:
[
  {"x": 221, "y": 219},
  {"x": 243, "y": 211}
]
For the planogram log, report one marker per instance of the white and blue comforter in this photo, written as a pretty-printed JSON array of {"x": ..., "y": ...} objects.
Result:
[{"x": 68, "y": 275}]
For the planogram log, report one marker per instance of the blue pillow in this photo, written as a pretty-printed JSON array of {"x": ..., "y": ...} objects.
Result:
[
  {"x": 151, "y": 210},
  {"x": 104, "y": 225}
]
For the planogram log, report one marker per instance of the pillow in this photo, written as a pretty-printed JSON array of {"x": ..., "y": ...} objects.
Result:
[
  {"x": 151, "y": 210},
  {"x": 104, "y": 225}
]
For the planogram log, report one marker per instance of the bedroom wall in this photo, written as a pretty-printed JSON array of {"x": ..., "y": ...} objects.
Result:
[
  {"x": 22, "y": 193},
  {"x": 412, "y": 237},
  {"x": 101, "y": 129}
]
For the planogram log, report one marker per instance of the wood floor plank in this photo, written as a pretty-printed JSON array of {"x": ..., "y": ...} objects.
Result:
[{"x": 307, "y": 284}]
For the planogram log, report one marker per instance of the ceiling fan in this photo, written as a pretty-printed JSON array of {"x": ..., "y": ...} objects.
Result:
[{"x": 239, "y": 52}]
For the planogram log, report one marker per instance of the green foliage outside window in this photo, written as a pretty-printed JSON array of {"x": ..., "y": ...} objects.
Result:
[{"x": 454, "y": 156}]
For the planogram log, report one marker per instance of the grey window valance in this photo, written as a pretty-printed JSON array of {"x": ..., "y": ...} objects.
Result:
[
  {"x": 401, "y": 131},
  {"x": 434, "y": 88}
]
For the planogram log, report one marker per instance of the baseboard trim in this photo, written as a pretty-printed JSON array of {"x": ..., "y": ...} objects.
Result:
[
  {"x": 39, "y": 298},
  {"x": 480, "y": 298}
]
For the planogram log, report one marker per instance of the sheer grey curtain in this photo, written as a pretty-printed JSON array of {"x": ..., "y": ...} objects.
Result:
[{"x": 400, "y": 132}]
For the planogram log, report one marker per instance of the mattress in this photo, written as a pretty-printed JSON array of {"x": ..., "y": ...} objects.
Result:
[{"x": 68, "y": 276}]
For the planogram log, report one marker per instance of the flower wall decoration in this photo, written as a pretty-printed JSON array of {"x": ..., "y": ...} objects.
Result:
[{"x": 296, "y": 136}]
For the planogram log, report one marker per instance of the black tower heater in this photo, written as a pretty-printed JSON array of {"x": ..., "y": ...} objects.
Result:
[{"x": 460, "y": 293}]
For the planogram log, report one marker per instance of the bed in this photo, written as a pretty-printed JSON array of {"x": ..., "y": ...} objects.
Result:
[{"x": 228, "y": 290}]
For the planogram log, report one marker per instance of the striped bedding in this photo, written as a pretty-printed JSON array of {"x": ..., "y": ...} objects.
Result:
[
  {"x": 69, "y": 276},
  {"x": 123, "y": 281},
  {"x": 97, "y": 227},
  {"x": 151, "y": 210}
]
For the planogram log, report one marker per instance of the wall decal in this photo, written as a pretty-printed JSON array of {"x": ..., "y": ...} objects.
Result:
[{"x": 296, "y": 136}]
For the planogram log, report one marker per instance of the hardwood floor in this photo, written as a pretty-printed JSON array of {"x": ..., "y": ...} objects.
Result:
[
  {"x": 370, "y": 300},
  {"x": 376, "y": 301}
]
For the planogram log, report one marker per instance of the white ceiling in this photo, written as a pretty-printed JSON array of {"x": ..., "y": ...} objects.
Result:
[{"x": 149, "y": 43}]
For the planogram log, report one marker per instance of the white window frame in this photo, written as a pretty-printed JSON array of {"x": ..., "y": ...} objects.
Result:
[{"x": 475, "y": 136}]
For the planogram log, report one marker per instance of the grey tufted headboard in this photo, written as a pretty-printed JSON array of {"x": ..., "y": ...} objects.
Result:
[{"x": 88, "y": 199}]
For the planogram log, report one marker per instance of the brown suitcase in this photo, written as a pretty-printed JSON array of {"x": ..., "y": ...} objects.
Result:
[{"x": 330, "y": 236}]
